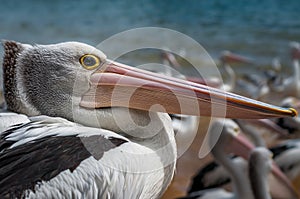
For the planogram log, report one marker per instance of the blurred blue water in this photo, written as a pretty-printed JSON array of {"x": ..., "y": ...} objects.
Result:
[{"x": 258, "y": 28}]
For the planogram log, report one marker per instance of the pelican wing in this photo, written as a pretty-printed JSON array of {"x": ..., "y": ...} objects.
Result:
[{"x": 40, "y": 150}]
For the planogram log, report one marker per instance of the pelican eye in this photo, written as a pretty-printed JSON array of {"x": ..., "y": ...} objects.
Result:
[
  {"x": 89, "y": 62},
  {"x": 236, "y": 130}
]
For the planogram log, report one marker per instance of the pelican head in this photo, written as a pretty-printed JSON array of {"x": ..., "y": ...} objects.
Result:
[
  {"x": 295, "y": 50},
  {"x": 231, "y": 140},
  {"x": 231, "y": 58},
  {"x": 41, "y": 77},
  {"x": 75, "y": 78},
  {"x": 261, "y": 156}
]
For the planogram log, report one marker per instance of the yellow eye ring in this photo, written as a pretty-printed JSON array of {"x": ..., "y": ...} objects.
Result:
[
  {"x": 236, "y": 130},
  {"x": 89, "y": 61}
]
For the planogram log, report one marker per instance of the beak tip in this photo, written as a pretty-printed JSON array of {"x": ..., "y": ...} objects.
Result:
[{"x": 294, "y": 112}]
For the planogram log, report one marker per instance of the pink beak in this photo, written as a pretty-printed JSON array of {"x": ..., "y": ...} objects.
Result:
[
  {"x": 229, "y": 57},
  {"x": 119, "y": 85}
]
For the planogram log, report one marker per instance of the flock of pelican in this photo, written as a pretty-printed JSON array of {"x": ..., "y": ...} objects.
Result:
[
  {"x": 271, "y": 83},
  {"x": 78, "y": 125},
  {"x": 249, "y": 173}
]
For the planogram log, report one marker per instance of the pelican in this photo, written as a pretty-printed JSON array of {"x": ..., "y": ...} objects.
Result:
[
  {"x": 126, "y": 148},
  {"x": 260, "y": 164},
  {"x": 241, "y": 185},
  {"x": 226, "y": 59},
  {"x": 254, "y": 135},
  {"x": 237, "y": 85},
  {"x": 273, "y": 75},
  {"x": 291, "y": 86},
  {"x": 169, "y": 59},
  {"x": 252, "y": 85}
]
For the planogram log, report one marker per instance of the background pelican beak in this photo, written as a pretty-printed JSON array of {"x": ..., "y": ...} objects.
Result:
[
  {"x": 281, "y": 185},
  {"x": 119, "y": 85},
  {"x": 239, "y": 145},
  {"x": 229, "y": 57}
]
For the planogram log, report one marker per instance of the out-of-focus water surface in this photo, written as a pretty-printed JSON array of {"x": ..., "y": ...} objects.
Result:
[{"x": 260, "y": 29}]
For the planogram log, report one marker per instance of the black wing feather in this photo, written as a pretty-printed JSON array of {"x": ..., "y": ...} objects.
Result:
[{"x": 24, "y": 166}]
